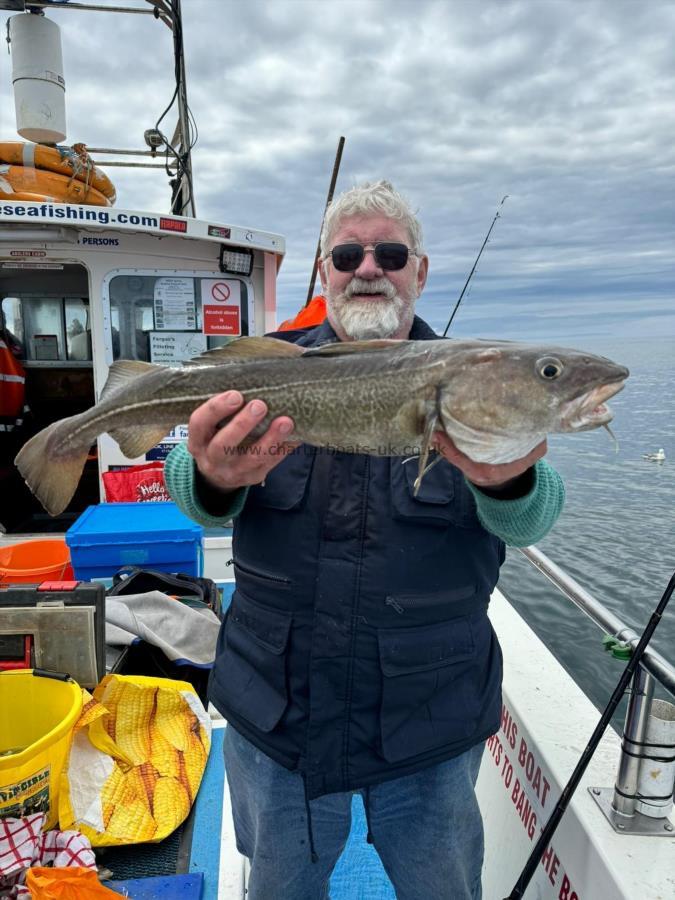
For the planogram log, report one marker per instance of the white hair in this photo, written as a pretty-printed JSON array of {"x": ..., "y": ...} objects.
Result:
[{"x": 379, "y": 197}]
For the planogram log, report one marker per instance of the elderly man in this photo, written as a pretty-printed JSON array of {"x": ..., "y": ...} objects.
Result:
[{"x": 357, "y": 654}]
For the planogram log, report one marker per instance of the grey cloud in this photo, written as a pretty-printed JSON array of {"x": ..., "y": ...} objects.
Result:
[{"x": 565, "y": 106}]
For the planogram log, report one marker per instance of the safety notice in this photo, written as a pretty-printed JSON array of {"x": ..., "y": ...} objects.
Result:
[
  {"x": 221, "y": 306},
  {"x": 174, "y": 302},
  {"x": 171, "y": 348}
]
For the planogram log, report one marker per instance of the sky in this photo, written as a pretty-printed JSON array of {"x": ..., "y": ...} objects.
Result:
[{"x": 566, "y": 106}]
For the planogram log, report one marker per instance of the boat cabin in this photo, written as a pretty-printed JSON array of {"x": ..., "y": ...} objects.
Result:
[{"x": 82, "y": 286}]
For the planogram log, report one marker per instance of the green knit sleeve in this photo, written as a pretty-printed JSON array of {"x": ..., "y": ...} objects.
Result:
[
  {"x": 179, "y": 476},
  {"x": 528, "y": 519}
]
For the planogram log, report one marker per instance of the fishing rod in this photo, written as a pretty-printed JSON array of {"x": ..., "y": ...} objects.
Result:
[
  {"x": 474, "y": 266},
  {"x": 549, "y": 829},
  {"x": 331, "y": 189}
]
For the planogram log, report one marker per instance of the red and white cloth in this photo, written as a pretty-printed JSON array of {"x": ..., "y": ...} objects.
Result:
[{"x": 23, "y": 844}]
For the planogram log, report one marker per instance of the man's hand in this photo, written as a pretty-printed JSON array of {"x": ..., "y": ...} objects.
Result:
[
  {"x": 218, "y": 452},
  {"x": 486, "y": 475}
]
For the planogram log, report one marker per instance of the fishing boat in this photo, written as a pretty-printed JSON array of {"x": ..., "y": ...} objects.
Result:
[{"x": 84, "y": 284}]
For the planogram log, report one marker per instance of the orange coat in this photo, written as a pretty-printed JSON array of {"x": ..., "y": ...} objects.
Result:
[
  {"x": 12, "y": 383},
  {"x": 312, "y": 314}
]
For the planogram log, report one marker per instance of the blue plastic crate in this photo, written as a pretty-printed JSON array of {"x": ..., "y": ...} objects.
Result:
[{"x": 109, "y": 536}]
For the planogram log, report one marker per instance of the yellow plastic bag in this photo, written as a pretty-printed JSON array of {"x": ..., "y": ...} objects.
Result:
[
  {"x": 46, "y": 883},
  {"x": 136, "y": 762}
]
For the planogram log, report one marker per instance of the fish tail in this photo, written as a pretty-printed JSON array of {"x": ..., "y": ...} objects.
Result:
[{"x": 52, "y": 466}]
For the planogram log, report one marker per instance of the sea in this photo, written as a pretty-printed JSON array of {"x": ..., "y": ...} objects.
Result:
[
  {"x": 616, "y": 534},
  {"x": 616, "y": 537}
]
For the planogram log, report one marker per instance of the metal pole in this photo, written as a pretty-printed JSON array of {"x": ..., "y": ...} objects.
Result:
[
  {"x": 331, "y": 189},
  {"x": 551, "y": 826},
  {"x": 47, "y": 4},
  {"x": 634, "y": 732},
  {"x": 186, "y": 189},
  {"x": 130, "y": 165},
  {"x": 112, "y": 151},
  {"x": 652, "y": 661}
]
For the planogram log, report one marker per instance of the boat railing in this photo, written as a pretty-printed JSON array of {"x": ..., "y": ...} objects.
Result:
[{"x": 649, "y": 728}]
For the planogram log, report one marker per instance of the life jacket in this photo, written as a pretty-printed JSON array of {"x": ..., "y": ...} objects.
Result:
[
  {"x": 12, "y": 382},
  {"x": 312, "y": 314}
]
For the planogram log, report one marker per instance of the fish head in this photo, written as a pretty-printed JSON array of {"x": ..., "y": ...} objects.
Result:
[
  {"x": 587, "y": 409},
  {"x": 503, "y": 388}
]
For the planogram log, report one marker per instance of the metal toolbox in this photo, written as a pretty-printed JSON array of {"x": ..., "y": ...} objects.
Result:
[{"x": 58, "y": 626}]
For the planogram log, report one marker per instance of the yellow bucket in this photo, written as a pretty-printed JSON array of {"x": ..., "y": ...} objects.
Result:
[{"x": 37, "y": 715}]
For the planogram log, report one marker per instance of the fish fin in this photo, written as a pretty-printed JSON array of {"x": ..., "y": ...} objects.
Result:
[
  {"x": 418, "y": 480},
  {"x": 52, "y": 475},
  {"x": 343, "y": 347},
  {"x": 246, "y": 348},
  {"x": 430, "y": 426},
  {"x": 122, "y": 373},
  {"x": 138, "y": 439}
]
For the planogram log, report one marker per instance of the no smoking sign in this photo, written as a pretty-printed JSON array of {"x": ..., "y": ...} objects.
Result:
[
  {"x": 220, "y": 291},
  {"x": 221, "y": 307}
]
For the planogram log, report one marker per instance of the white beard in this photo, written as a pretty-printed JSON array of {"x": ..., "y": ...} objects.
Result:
[{"x": 364, "y": 320}]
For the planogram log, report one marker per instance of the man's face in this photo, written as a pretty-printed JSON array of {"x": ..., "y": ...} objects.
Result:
[{"x": 372, "y": 302}]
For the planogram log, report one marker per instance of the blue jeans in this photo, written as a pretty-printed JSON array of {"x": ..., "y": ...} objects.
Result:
[{"x": 426, "y": 828}]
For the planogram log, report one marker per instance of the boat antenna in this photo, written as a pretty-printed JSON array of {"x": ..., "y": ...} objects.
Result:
[
  {"x": 549, "y": 829},
  {"x": 185, "y": 135},
  {"x": 331, "y": 189},
  {"x": 447, "y": 327}
]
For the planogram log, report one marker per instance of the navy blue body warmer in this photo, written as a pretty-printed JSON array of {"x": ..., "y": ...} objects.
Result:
[{"x": 357, "y": 647}]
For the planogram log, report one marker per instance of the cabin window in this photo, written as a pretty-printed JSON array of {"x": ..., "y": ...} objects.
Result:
[
  {"x": 159, "y": 317},
  {"x": 43, "y": 324},
  {"x": 78, "y": 329},
  {"x": 12, "y": 320},
  {"x": 49, "y": 328}
]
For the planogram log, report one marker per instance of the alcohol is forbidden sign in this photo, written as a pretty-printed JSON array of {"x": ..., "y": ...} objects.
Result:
[{"x": 221, "y": 306}]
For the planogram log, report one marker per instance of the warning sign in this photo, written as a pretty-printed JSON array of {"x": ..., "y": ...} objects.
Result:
[
  {"x": 220, "y": 291},
  {"x": 221, "y": 306}
]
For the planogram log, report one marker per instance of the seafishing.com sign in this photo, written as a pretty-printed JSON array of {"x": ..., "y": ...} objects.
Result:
[{"x": 221, "y": 307}]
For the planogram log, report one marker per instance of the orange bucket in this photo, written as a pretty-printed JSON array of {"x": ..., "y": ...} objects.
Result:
[{"x": 34, "y": 561}]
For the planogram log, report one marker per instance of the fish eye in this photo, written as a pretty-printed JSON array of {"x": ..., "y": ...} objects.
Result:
[{"x": 549, "y": 367}]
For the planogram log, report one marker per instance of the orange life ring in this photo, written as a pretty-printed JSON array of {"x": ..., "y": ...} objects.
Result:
[
  {"x": 22, "y": 195},
  {"x": 73, "y": 161},
  {"x": 18, "y": 181}
]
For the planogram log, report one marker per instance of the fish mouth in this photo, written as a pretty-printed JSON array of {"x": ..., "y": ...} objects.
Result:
[{"x": 589, "y": 410}]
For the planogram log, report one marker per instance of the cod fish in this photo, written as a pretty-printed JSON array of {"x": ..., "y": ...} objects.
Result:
[{"x": 495, "y": 399}]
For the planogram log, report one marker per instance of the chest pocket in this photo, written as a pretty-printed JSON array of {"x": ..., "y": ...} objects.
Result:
[
  {"x": 286, "y": 485},
  {"x": 443, "y": 498}
]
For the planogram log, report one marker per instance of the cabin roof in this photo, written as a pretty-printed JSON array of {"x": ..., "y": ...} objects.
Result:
[{"x": 73, "y": 215}]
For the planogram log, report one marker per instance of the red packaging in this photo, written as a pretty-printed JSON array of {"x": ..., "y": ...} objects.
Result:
[{"x": 136, "y": 484}]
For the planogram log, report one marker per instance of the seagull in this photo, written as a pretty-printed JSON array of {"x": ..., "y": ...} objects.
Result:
[{"x": 659, "y": 456}]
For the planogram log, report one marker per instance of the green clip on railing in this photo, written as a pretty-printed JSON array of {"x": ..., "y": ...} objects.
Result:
[{"x": 618, "y": 649}]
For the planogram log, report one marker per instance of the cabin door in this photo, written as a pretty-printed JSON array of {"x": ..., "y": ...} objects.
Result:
[{"x": 47, "y": 322}]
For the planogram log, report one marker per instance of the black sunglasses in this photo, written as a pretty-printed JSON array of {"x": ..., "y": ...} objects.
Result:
[{"x": 389, "y": 255}]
